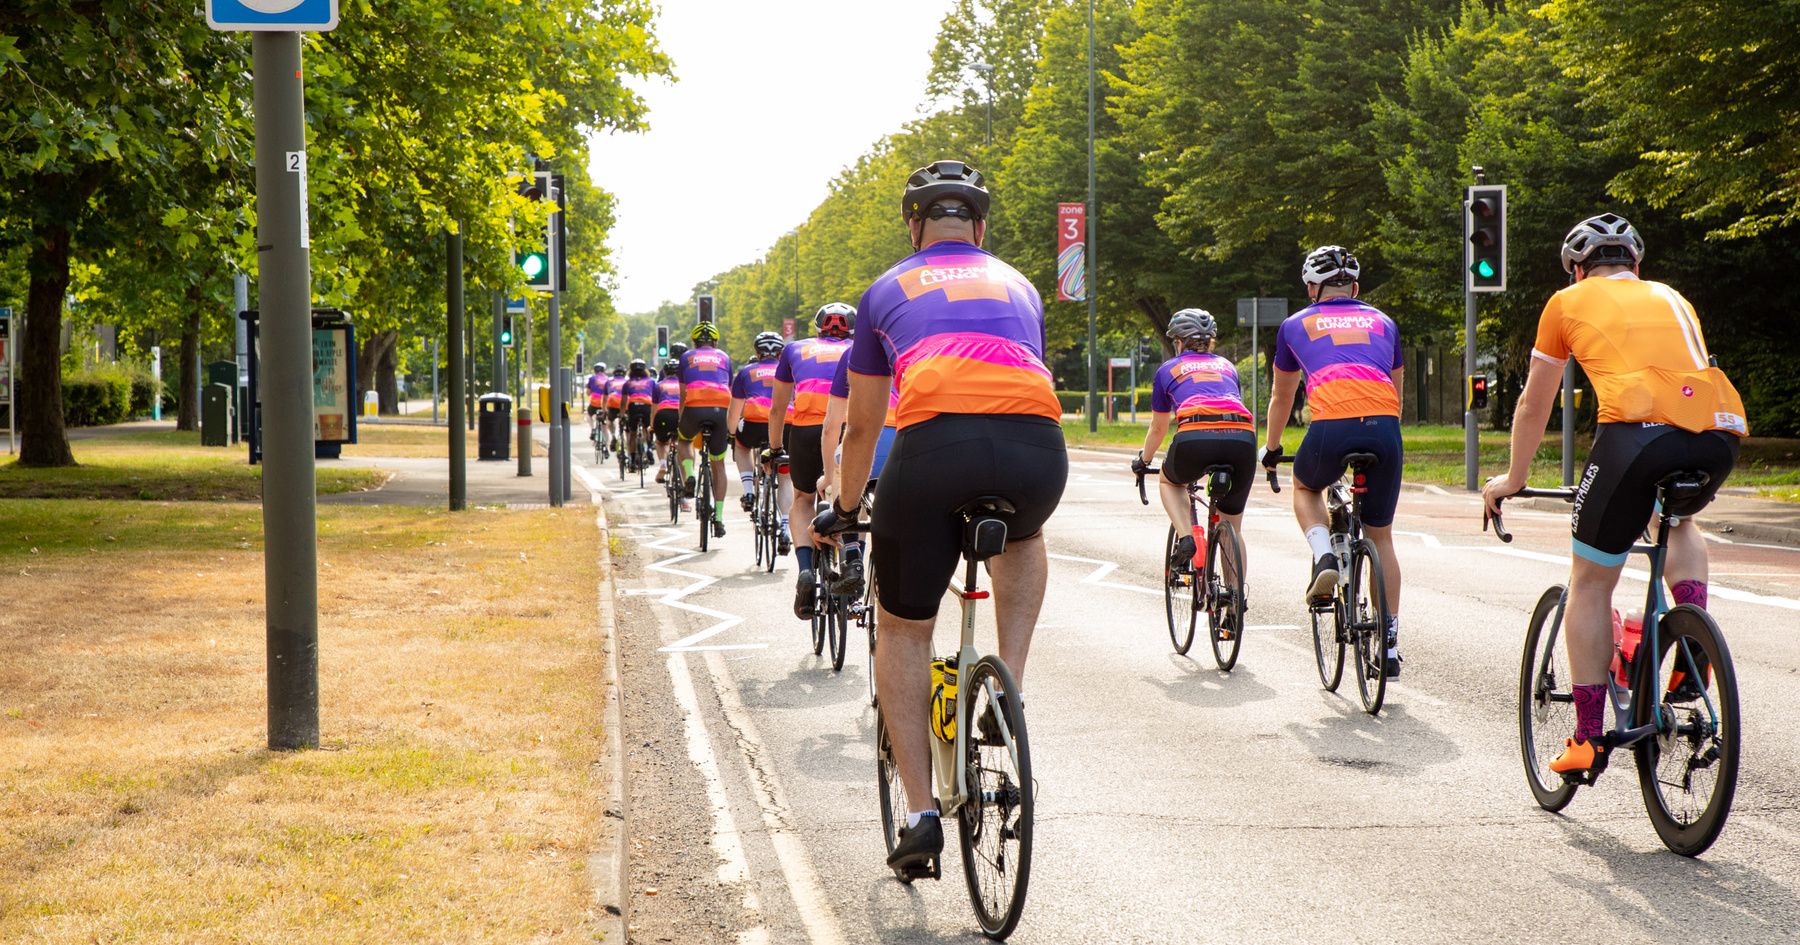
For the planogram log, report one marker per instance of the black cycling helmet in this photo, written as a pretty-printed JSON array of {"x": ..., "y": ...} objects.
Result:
[
  {"x": 835, "y": 320},
  {"x": 768, "y": 345},
  {"x": 678, "y": 349},
  {"x": 941, "y": 179},
  {"x": 638, "y": 369},
  {"x": 671, "y": 366},
  {"x": 619, "y": 371},
  {"x": 1193, "y": 324}
]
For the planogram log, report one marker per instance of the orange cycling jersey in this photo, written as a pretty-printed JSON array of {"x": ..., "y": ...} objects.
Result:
[{"x": 1640, "y": 344}]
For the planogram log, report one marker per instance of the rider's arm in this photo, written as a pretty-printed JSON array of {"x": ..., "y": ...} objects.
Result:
[
  {"x": 1159, "y": 428},
  {"x": 1281, "y": 403},
  {"x": 733, "y": 414},
  {"x": 778, "y": 401},
  {"x": 836, "y": 409},
  {"x": 1529, "y": 420},
  {"x": 867, "y": 412}
]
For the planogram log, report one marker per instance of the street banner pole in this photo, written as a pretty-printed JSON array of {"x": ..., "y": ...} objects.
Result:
[
  {"x": 284, "y": 289},
  {"x": 1471, "y": 442},
  {"x": 1093, "y": 286},
  {"x": 453, "y": 304}
]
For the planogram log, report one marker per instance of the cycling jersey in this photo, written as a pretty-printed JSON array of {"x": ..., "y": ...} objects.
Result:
[
  {"x": 840, "y": 387},
  {"x": 808, "y": 365},
  {"x": 1346, "y": 349},
  {"x": 753, "y": 385},
  {"x": 596, "y": 388},
  {"x": 639, "y": 390},
  {"x": 1201, "y": 390},
  {"x": 1640, "y": 344},
  {"x": 668, "y": 394},
  {"x": 960, "y": 332},
  {"x": 705, "y": 378},
  {"x": 615, "y": 392}
]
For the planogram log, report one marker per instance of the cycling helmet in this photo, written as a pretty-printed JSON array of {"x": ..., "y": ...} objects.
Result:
[
  {"x": 1193, "y": 324},
  {"x": 638, "y": 369},
  {"x": 671, "y": 366},
  {"x": 599, "y": 367},
  {"x": 835, "y": 319},
  {"x": 941, "y": 179},
  {"x": 1608, "y": 239},
  {"x": 676, "y": 350},
  {"x": 769, "y": 344},
  {"x": 1330, "y": 265},
  {"x": 619, "y": 371},
  {"x": 704, "y": 333}
]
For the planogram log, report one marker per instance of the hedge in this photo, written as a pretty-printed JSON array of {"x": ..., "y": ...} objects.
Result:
[{"x": 91, "y": 400}]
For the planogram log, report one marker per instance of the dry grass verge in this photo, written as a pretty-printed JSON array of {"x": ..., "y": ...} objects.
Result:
[
  {"x": 160, "y": 465},
  {"x": 455, "y": 799}
]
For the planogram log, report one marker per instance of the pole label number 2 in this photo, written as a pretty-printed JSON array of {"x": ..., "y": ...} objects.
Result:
[{"x": 296, "y": 164}]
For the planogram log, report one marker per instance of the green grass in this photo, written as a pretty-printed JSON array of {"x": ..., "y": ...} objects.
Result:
[{"x": 157, "y": 466}]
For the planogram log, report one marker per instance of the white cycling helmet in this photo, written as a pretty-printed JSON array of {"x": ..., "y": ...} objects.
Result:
[
  {"x": 1608, "y": 239},
  {"x": 1330, "y": 265}
]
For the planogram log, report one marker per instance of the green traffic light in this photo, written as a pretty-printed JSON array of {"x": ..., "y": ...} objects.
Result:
[
  {"x": 1483, "y": 268},
  {"x": 532, "y": 264}
]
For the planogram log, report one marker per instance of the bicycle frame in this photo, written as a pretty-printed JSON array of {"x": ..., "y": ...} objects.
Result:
[{"x": 950, "y": 778}]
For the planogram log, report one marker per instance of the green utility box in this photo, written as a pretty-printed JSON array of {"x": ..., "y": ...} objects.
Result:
[
  {"x": 215, "y": 415},
  {"x": 226, "y": 373}
]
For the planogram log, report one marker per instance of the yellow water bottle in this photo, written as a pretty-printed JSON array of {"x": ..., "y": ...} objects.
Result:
[{"x": 943, "y": 699}]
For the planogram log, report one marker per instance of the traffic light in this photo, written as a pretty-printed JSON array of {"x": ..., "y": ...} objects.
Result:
[
  {"x": 662, "y": 342},
  {"x": 704, "y": 304},
  {"x": 1478, "y": 392},
  {"x": 506, "y": 331},
  {"x": 534, "y": 260},
  {"x": 1484, "y": 252}
]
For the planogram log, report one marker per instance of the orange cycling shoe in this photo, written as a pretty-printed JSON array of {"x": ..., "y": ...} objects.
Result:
[{"x": 1582, "y": 761}]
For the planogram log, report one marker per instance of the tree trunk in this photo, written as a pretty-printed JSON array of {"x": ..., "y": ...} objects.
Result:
[
  {"x": 187, "y": 397},
  {"x": 366, "y": 357},
  {"x": 1157, "y": 312},
  {"x": 386, "y": 383},
  {"x": 42, "y": 439}
]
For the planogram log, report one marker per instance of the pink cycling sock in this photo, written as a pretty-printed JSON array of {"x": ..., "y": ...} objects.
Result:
[
  {"x": 1590, "y": 711},
  {"x": 1690, "y": 592}
]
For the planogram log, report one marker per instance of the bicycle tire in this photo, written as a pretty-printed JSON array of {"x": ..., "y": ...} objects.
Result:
[
  {"x": 771, "y": 519},
  {"x": 891, "y": 788},
  {"x": 621, "y": 454},
  {"x": 819, "y": 595},
  {"x": 1175, "y": 603},
  {"x": 1688, "y": 820},
  {"x": 1546, "y": 703},
  {"x": 837, "y": 630},
  {"x": 870, "y": 623},
  {"x": 996, "y": 854},
  {"x": 1225, "y": 596},
  {"x": 703, "y": 498},
  {"x": 672, "y": 485},
  {"x": 1369, "y": 620},
  {"x": 1328, "y": 637}
]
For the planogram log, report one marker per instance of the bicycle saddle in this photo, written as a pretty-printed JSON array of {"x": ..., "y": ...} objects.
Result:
[
  {"x": 984, "y": 532},
  {"x": 1683, "y": 485},
  {"x": 1218, "y": 468},
  {"x": 1361, "y": 460}
]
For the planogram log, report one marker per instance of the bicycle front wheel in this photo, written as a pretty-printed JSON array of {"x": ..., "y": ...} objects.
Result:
[
  {"x": 892, "y": 789},
  {"x": 1368, "y": 625},
  {"x": 703, "y": 501},
  {"x": 1178, "y": 582},
  {"x": 672, "y": 486},
  {"x": 837, "y": 615},
  {"x": 1225, "y": 593},
  {"x": 1328, "y": 643},
  {"x": 869, "y": 622},
  {"x": 995, "y": 823},
  {"x": 1688, "y": 771},
  {"x": 1546, "y": 703}
]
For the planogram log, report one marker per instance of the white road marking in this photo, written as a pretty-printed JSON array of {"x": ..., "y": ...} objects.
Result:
[
  {"x": 1105, "y": 568},
  {"x": 734, "y": 866},
  {"x": 673, "y": 598}
]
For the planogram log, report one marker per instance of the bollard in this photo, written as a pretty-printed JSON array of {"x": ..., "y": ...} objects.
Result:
[{"x": 524, "y": 441}]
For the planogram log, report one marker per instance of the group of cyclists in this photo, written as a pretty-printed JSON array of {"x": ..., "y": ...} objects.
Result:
[{"x": 934, "y": 390}]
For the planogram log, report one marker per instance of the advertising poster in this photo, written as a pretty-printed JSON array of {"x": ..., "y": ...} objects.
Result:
[
  {"x": 1071, "y": 252},
  {"x": 331, "y": 385}
]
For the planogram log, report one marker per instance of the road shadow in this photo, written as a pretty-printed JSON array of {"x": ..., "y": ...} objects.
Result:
[
  {"x": 897, "y": 912},
  {"x": 1202, "y": 684},
  {"x": 809, "y": 684},
  {"x": 1393, "y": 743}
]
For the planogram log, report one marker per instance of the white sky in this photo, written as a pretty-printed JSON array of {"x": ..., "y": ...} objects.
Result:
[{"x": 793, "y": 91}]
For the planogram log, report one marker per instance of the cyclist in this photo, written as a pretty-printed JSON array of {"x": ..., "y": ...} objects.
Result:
[
  {"x": 705, "y": 398},
  {"x": 836, "y": 410},
  {"x": 1349, "y": 353},
  {"x": 962, "y": 334},
  {"x": 667, "y": 418},
  {"x": 615, "y": 403},
  {"x": 749, "y": 413},
  {"x": 596, "y": 389},
  {"x": 1199, "y": 390},
  {"x": 803, "y": 378},
  {"x": 1664, "y": 407},
  {"x": 640, "y": 399}
]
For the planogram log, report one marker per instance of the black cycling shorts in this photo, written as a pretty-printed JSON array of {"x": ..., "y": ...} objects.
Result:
[
  {"x": 594, "y": 409},
  {"x": 637, "y": 415},
  {"x": 693, "y": 417},
  {"x": 752, "y": 435},
  {"x": 1320, "y": 461},
  {"x": 935, "y": 467},
  {"x": 612, "y": 413},
  {"x": 663, "y": 424},
  {"x": 1617, "y": 493},
  {"x": 806, "y": 455},
  {"x": 1195, "y": 450}
]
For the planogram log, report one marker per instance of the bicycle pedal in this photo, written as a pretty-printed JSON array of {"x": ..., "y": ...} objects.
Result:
[{"x": 907, "y": 874}]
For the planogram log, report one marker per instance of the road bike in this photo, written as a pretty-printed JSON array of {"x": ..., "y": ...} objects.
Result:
[
  {"x": 1211, "y": 582},
  {"x": 704, "y": 509},
  {"x": 673, "y": 479},
  {"x": 980, "y": 759},
  {"x": 623, "y": 451},
  {"x": 643, "y": 456},
  {"x": 763, "y": 520},
  {"x": 1676, "y": 685},
  {"x": 830, "y": 612},
  {"x": 1355, "y": 617},
  {"x": 594, "y": 432}
]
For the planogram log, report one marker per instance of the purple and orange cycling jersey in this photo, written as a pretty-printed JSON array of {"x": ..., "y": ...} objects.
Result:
[
  {"x": 615, "y": 392},
  {"x": 596, "y": 388},
  {"x": 705, "y": 378},
  {"x": 808, "y": 365},
  {"x": 1346, "y": 349},
  {"x": 668, "y": 394},
  {"x": 840, "y": 387},
  {"x": 960, "y": 332},
  {"x": 1201, "y": 390},
  {"x": 639, "y": 390},
  {"x": 754, "y": 384}
]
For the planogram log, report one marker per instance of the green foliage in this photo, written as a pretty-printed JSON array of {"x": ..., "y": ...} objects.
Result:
[{"x": 91, "y": 400}]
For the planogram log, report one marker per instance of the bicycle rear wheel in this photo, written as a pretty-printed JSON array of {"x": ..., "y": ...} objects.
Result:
[
  {"x": 869, "y": 623},
  {"x": 672, "y": 486},
  {"x": 1178, "y": 600},
  {"x": 1225, "y": 593},
  {"x": 819, "y": 615},
  {"x": 703, "y": 498},
  {"x": 1328, "y": 643},
  {"x": 995, "y": 824},
  {"x": 1688, "y": 773},
  {"x": 836, "y": 613},
  {"x": 1546, "y": 703},
  {"x": 892, "y": 789},
  {"x": 622, "y": 454},
  {"x": 1368, "y": 625}
]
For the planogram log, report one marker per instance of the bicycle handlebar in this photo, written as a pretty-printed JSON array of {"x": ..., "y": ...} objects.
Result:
[
  {"x": 1500, "y": 532},
  {"x": 1143, "y": 496},
  {"x": 1274, "y": 480}
]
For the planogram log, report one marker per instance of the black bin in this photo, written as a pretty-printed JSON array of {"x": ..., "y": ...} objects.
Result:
[{"x": 493, "y": 428}]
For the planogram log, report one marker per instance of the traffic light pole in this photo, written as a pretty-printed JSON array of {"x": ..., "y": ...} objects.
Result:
[
  {"x": 1471, "y": 441},
  {"x": 453, "y": 304},
  {"x": 558, "y": 428},
  {"x": 284, "y": 284}
]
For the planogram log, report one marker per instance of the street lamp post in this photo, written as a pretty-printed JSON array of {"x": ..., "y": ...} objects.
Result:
[
  {"x": 1093, "y": 213},
  {"x": 988, "y": 71}
]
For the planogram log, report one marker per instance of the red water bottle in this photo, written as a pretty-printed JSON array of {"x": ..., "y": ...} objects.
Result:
[
  {"x": 1628, "y": 632},
  {"x": 1199, "y": 545}
]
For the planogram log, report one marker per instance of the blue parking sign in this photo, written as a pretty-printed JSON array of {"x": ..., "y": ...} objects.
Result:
[{"x": 273, "y": 15}]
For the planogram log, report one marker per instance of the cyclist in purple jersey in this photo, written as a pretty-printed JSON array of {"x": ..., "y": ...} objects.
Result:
[
  {"x": 831, "y": 437},
  {"x": 803, "y": 379},
  {"x": 705, "y": 399},
  {"x": 639, "y": 395},
  {"x": 748, "y": 417},
  {"x": 667, "y": 416},
  {"x": 1198, "y": 390},
  {"x": 961, "y": 334}
]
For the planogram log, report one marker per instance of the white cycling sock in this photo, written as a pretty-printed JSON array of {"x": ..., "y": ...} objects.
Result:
[
  {"x": 749, "y": 483},
  {"x": 1320, "y": 540},
  {"x": 913, "y": 817}
]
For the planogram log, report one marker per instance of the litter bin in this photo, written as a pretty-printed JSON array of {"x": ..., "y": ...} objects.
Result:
[{"x": 493, "y": 435}]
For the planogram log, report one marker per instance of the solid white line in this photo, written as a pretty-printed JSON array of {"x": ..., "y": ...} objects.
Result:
[
  {"x": 1105, "y": 568},
  {"x": 734, "y": 866}
]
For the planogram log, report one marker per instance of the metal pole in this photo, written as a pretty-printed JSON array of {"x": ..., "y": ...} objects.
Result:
[
  {"x": 499, "y": 386},
  {"x": 1568, "y": 424},
  {"x": 240, "y": 298},
  {"x": 1255, "y": 361},
  {"x": 453, "y": 307},
  {"x": 1093, "y": 287},
  {"x": 1471, "y": 446},
  {"x": 558, "y": 449},
  {"x": 1134, "y": 361},
  {"x": 468, "y": 353},
  {"x": 434, "y": 386},
  {"x": 284, "y": 282},
  {"x": 564, "y": 377}
]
